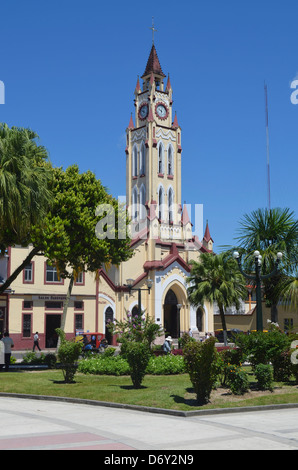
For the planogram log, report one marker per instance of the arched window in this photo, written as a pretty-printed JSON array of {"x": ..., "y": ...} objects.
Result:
[
  {"x": 160, "y": 159},
  {"x": 143, "y": 159},
  {"x": 199, "y": 318},
  {"x": 134, "y": 212},
  {"x": 109, "y": 317},
  {"x": 170, "y": 161},
  {"x": 160, "y": 202},
  {"x": 135, "y": 311},
  {"x": 135, "y": 161},
  {"x": 142, "y": 202},
  {"x": 170, "y": 204}
]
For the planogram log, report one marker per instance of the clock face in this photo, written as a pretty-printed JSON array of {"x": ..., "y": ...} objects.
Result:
[
  {"x": 161, "y": 110},
  {"x": 143, "y": 111}
]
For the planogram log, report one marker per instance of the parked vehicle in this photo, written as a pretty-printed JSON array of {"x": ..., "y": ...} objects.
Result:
[{"x": 93, "y": 342}]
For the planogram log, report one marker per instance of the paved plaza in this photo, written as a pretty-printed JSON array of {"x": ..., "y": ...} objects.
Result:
[{"x": 28, "y": 424}]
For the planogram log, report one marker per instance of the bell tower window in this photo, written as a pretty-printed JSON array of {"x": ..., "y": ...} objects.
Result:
[
  {"x": 170, "y": 205},
  {"x": 160, "y": 159},
  {"x": 160, "y": 202},
  {"x": 134, "y": 203},
  {"x": 142, "y": 202},
  {"x": 143, "y": 160},
  {"x": 135, "y": 161},
  {"x": 170, "y": 161}
]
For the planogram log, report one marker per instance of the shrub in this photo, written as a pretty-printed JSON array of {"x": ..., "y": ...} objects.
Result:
[
  {"x": 117, "y": 365},
  {"x": 227, "y": 357},
  {"x": 100, "y": 365},
  {"x": 68, "y": 354},
  {"x": 263, "y": 347},
  {"x": 200, "y": 359},
  {"x": 184, "y": 340},
  {"x": 31, "y": 358},
  {"x": 237, "y": 380},
  {"x": 138, "y": 356},
  {"x": 50, "y": 360},
  {"x": 177, "y": 352},
  {"x": 282, "y": 367},
  {"x": 166, "y": 365},
  {"x": 264, "y": 376},
  {"x": 140, "y": 328}
]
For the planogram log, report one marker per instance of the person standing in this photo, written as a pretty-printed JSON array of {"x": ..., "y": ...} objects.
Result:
[
  {"x": 2, "y": 354},
  {"x": 36, "y": 342},
  {"x": 8, "y": 344}
]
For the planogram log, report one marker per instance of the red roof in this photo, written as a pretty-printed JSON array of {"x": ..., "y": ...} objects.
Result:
[
  {"x": 207, "y": 236},
  {"x": 138, "y": 87},
  {"x": 168, "y": 87},
  {"x": 175, "y": 124},
  {"x": 153, "y": 64},
  {"x": 131, "y": 124}
]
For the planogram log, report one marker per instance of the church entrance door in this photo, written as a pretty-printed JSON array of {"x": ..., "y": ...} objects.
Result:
[{"x": 171, "y": 315}]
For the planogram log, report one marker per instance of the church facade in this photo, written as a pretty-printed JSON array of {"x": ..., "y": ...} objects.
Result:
[
  {"x": 154, "y": 279},
  {"x": 162, "y": 235}
]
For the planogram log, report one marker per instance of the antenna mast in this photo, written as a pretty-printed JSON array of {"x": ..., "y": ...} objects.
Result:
[{"x": 267, "y": 144}]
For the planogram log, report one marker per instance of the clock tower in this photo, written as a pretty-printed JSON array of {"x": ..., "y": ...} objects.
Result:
[
  {"x": 154, "y": 280},
  {"x": 153, "y": 152}
]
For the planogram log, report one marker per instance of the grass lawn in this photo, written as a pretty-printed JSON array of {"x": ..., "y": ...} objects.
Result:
[{"x": 170, "y": 391}]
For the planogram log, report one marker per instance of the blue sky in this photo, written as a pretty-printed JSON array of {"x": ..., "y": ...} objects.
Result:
[{"x": 70, "y": 70}]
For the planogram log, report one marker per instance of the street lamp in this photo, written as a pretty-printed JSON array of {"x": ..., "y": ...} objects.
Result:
[
  {"x": 130, "y": 283},
  {"x": 258, "y": 278},
  {"x": 179, "y": 306}
]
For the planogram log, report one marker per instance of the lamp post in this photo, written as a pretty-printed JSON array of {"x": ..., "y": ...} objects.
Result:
[
  {"x": 130, "y": 283},
  {"x": 179, "y": 306},
  {"x": 258, "y": 278}
]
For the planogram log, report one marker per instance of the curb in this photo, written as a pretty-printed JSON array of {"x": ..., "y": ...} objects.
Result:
[{"x": 146, "y": 409}]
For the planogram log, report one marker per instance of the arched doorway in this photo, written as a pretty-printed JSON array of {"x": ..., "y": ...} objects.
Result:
[
  {"x": 199, "y": 318},
  {"x": 171, "y": 315},
  {"x": 109, "y": 317}
]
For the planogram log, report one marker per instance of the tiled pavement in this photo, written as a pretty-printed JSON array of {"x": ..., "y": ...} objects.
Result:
[{"x": 28, "y": 424}]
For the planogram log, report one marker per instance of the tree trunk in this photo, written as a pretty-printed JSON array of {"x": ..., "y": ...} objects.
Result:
[
  {"x": 19, "y": 269},
  {"x": 65, "y": 307},
  {"x": 274, "y": 313},
  {"x": 224, "y": 326}
]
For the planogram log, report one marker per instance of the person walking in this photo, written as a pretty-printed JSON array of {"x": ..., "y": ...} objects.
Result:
[
  {"x": 36, "y": 342},
  {"x": 8, "y": 344}
]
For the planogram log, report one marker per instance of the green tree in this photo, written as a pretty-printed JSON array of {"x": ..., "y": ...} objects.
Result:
[
  {"x": 271, "y": 231},
  {"x": 216, "y": 279},
  {"x": 25, "y": 197},
  {"x": 68, "y": 237},
  {"x": 288, "y": 290},
  {"x": 201, "y": 364},
  {"x": 24, "y": 178}
]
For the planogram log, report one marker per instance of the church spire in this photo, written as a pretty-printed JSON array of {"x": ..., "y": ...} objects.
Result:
[{"x": 153, "y": 64}]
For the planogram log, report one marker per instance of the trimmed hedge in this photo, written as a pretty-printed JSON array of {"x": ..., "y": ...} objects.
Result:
[{"x": 117, "y": 365}]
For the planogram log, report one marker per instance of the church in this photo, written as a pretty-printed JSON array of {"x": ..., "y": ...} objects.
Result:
[
  {"x": 154, "y": 280},
  {"x": 163, "y": 243}
]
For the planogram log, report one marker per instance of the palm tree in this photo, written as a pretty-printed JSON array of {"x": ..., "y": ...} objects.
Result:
[
  {"x": 270, "y": 231},
  {"x": 289, "y": 292},
  {"x": 24, "y": 177},
  {"x": 216, "y": 279}
]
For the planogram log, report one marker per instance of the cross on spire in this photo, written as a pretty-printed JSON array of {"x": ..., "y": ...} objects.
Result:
[{"x": 153, "y": 29}]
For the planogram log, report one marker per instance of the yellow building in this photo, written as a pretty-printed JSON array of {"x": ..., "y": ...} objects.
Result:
[{"x": 162, "y": 240}]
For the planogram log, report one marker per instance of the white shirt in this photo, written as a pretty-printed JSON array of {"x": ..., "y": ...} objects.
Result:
[
  {"x": 2, "y": 360},
  {"x": 8, "y": 343}
]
